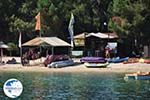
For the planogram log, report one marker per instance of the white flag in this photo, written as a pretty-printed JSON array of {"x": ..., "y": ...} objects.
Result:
[
  {"x": 70, "y": 28},
  {"x": 19, "y": 40}
]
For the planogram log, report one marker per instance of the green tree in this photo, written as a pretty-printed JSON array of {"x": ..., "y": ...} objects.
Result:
[
  {"x": 133, "y": 16},
  {"x": 89, "y": 15},
  {"x": 12, "y": 47},
  {"x": 16, "y": 16},
  {"x": 23, "y": 19}
]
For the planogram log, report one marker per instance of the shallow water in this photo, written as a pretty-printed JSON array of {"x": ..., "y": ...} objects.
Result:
[{"x": 77, "y": 86}]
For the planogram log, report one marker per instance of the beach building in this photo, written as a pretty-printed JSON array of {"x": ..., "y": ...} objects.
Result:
[
  {"x": 44, "y": 46},
  {"x": 52, "y": 44},
  {"x": 93, "y": 44}
]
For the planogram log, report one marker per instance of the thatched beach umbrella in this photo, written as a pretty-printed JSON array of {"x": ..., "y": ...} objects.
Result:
[{"x": 2, "y": 46}]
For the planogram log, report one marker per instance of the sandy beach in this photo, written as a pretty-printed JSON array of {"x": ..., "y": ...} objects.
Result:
[{"x": 112, "y": 68}]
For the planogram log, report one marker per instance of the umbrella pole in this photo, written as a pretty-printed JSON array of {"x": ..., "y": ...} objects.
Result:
[{"x": 1, "y": 55}]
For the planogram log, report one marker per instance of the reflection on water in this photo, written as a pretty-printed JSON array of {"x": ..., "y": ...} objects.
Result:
[{"x": 77, "y": 86}]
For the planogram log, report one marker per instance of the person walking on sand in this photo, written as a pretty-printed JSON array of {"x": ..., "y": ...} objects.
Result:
[{"x": 107, "y": 51}]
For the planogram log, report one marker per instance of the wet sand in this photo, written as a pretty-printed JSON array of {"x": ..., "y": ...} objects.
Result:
[{"x": 112, "y": 68}]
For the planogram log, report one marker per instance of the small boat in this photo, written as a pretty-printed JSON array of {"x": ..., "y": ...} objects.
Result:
[
  {"x": 96, "y": 65},
  {"x": 147, "y": 61},
  {"x": 138, "y": 76},
  {"x": 118, "y": 60},
  {"x": 59, "y": 64},
  {"x": 92, "y": 60},
  {"x": 131, "y": 61},
  {"x": 54, "y": 58}
]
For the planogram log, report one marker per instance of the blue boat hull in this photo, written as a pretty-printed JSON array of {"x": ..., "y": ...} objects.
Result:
[
  {"x": 60, "y": 64},
  {"x": 118, "y": 60},
  {"x": 142, "y": 77},
  {"x": 137, "y": 77}
]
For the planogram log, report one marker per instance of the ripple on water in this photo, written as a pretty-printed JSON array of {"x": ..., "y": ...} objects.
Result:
[{"x": 78, "y": 86}]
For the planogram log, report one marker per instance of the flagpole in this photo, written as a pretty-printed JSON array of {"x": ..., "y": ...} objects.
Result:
[
  {"x": 70, "y": 29},
  {"x": 21, "y": 54},
  {"x": 40, "y": 48},
  {"x": 38, "y": 28},
  {"x": 20, "y": 45},
  {"x": 40, "y": 44}
]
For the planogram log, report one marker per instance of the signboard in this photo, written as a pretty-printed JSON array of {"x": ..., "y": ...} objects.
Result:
[
  {"x": 112, "y": 45},
  {"x": 79, "y": 42}
]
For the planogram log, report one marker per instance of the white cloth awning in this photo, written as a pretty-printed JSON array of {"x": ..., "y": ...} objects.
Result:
[
  {"x": 52, "y": 41},
  {"x": 100, "y": 35},
  {"x": 2, "y": 45}
]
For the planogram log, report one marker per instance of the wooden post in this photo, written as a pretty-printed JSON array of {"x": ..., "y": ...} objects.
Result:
[
  {"x": 1, "y": 55},
  {"x": 52, "y": 50},
  {"x": 84, "y": 44}
]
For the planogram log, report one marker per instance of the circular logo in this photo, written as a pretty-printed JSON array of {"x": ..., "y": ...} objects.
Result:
[{"x": 13, "y": 88}]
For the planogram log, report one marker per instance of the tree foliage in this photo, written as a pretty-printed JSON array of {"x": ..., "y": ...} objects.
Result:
[
  {"x": 16, "y": 16},
  {"x": 90, "y": 15},
  {"x": 12, "y": 47},
  {"x": 134, "y": 15}
]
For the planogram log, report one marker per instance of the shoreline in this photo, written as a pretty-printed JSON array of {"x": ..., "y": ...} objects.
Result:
[
  {"x": 78, "y": 68},
  {"x": 112, "y": 68}
]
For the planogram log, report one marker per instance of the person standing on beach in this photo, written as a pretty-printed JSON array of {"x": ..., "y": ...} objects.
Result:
[{"x": 107, "y": 51}]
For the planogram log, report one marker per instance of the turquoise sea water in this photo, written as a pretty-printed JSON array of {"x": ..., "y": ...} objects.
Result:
[{"x": 77, "y": 86}]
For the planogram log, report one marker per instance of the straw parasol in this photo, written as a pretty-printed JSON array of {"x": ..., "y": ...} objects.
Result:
[{"x": 2, "y": 46}]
